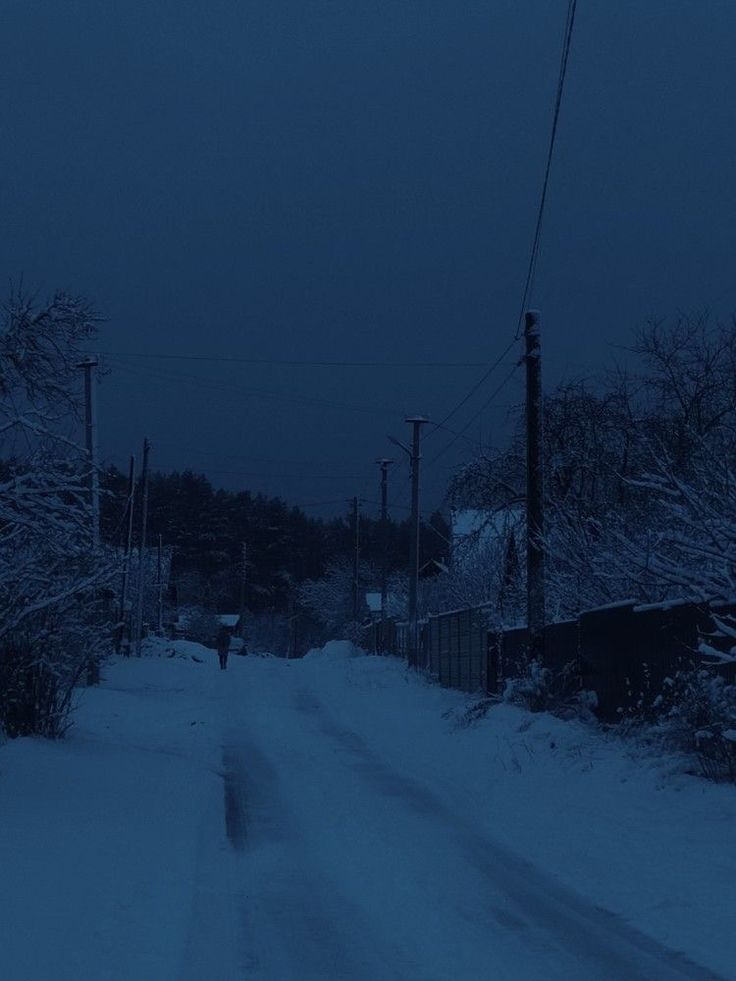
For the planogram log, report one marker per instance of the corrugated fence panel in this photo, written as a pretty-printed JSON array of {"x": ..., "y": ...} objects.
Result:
[
  {"x": 623, "y": 652},
  {"x": 454, "y": 676},
  {"x": 561, "y": 643},
  {"x": 434, "y": 646},
  {"x": 478, "y": 651},
  {"x": 445, "y": 651},
  {"x": 513, "y": 653}
]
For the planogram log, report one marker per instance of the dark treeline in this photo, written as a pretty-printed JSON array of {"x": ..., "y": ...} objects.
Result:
[{"x": 206, "y": 528}]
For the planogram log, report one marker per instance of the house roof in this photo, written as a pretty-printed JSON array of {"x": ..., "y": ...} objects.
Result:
[{"x": 228, "y": 619}]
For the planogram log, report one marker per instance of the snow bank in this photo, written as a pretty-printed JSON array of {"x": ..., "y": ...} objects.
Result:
[
  {"x": 630, "y": 830},
  {"x": 335, "y": 650},
  {"x": 100, "y": 833},
  {"x": 161, "y": 647}
]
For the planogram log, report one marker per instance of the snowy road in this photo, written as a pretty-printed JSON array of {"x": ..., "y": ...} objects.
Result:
[
  {"x": 345, "y": 869},
  {"x": 321, "y": 821}
]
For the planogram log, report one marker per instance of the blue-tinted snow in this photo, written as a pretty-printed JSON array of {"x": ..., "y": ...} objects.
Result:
[{"x": 328, "y": 818}]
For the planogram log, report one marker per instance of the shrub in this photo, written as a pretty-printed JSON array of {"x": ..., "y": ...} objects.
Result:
[
  {"x": 540, "y": 689},
  {"x": 696, "y": 711},
  {"x": 40, "y": 667}
]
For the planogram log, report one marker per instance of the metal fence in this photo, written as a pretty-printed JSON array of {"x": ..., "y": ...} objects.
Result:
[
  {"x": 623, "y": 652},
  {"x": 456, "y": 649}
]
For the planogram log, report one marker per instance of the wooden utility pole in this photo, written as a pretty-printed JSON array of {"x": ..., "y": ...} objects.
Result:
[
  {"x": 534, "y": 487},
  {"x": 413, "y": 653},
  {"x": 356, "y": 566},
  {"x": 243, "y": 583},
  {"x": 160, "y": 618},
  {"x": 126, "y": 559},
  {"x": 292, "y": 618},
  {"x": 384, "y": 464},
  {"x": 90, "y": 435},
  {"x": 142, "y": 550}
]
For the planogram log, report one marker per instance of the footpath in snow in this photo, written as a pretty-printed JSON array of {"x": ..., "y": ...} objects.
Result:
[{"x": 330, "y": 819}]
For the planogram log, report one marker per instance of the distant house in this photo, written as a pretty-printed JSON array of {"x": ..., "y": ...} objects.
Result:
[
  {"x": 373, "y": 602},
  {"x": 230, "y": 620}
]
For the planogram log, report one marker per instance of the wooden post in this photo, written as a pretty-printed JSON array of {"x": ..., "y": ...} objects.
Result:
[
  {"x": 356, "y": 567},
  {"x": 384, "y": 465},
  {"x": 535, "y": 488},
  {"x": 90, "y": 433},
  {"x": 243, "y": 582},
  {"x": 142, "y": 551},
  {"x": 413, "y": 652},
  {"x": 126, "y": 561},
  {"x": 160, "y": 617}
]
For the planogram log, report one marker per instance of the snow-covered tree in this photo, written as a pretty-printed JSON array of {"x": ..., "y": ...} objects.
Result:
[
  {"x": 53, "y": 605},
  {"x": 330, "y": 599},
  {"x": 690, "y": 545},
  {"x": 639, "y": 492}
]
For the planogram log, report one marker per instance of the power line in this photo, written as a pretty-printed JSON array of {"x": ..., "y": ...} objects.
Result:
[
  {"x": 486, "y": 375},
  {"x": 320, "y": 504},
  {"x": 231, "y": 388},
  {"x": 567, "y": 40},
  {"x": 293, "y": 363},
  {"x": 249, "y": 458},
  {"x": 264, "y": 476},
  {"x": 472, "y": 419}
]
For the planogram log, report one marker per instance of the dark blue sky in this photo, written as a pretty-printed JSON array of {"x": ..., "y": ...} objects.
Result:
[{"x": 295, "y": 179}]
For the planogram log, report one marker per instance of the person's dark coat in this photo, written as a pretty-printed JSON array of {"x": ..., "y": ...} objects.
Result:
[{"x": 223, "y": 641}]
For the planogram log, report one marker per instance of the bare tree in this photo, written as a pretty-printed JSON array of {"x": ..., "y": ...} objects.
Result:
[{"x": 689, "y": 375}]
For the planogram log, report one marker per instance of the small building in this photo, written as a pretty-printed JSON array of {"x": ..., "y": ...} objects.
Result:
[
  {"x": 373, "y": 601},
  {"x": 229, "y": 620},
  {"x": 232, "y": 622}
]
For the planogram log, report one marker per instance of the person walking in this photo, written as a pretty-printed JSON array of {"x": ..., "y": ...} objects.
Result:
[{"x": 223, "y": 646}]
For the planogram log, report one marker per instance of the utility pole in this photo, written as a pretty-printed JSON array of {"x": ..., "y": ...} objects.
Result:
[
  {"x": 90, "y": 434},
  {"x": 160, "y": 618},
  {"x": 534, "y": 487},
  {"x": 384, "y": 464},
  {"x": 417, "y": 422},
  {"x": 126, "y": 557},
  {"x": 291, "y": 642},
  {"x": 142, "y": 550},
  {"x": 243, "y": 581},
  {"x": 356, "y": 565}
]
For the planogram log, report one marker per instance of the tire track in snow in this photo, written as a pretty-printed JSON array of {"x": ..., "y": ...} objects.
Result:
[
  {"x": 236, "y": 808},
  {"x": 545, "y": 911},
  {"x": 295, "y": 925}
]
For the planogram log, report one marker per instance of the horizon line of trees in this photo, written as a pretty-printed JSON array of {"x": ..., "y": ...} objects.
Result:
[{"x": 206, "y": 527}]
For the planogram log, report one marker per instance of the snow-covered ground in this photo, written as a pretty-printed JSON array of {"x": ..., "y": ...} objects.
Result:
[{"x": 328, "y": 819}]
